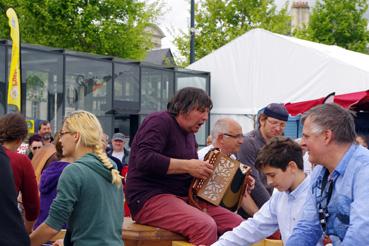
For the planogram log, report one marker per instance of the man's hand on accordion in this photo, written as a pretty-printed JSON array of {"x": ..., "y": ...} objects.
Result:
[{"x": 200, "y": 169}]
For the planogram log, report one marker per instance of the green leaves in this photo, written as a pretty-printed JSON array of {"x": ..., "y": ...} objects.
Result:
[
  {"x": 338, "y": 22},
  {"x": 107, "y": 27},
  {"x": 218, "y": 22}
]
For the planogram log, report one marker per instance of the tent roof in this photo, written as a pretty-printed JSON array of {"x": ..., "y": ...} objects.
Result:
[
  {"x": 261, "y": 67},
  {"x": 350, "y": 58}
]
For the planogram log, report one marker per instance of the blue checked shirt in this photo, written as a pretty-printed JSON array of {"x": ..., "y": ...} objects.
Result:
[{"x": 348, "y": 220}]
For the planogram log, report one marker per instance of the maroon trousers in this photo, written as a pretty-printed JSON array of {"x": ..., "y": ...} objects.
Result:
[{"x": 174, "y": 214}]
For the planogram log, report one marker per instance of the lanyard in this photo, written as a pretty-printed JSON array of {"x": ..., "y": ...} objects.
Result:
[{"x": 325, "y": 196}]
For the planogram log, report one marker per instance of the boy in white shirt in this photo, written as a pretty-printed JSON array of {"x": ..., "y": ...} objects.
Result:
[{"x": 282, "y": 163}]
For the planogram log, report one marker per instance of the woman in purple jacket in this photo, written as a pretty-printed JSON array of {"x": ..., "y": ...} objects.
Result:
[{"x": 49, "y": 182}]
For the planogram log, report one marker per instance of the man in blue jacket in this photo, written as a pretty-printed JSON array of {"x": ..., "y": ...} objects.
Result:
[{"x": 337, "y": 204}]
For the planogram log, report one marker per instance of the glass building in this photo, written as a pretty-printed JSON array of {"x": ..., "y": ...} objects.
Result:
[{"x": 119, "y": 92}]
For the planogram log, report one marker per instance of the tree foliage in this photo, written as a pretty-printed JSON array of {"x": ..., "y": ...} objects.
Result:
[
  {"x": 338, "y": 22},
  {"x": 218, "y": 22},
  {"x": 107, "y": 27}
]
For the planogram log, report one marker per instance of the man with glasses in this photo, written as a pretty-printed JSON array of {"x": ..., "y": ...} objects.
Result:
[
  {"x": 226, "y": 135},
  {"x": 272, "y": 121}
]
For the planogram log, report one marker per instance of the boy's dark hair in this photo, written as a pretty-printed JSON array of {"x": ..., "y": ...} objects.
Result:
[
  {"x": 278, "y": 153},
  {"x": 13, "y": 126},
  {"x": 187, "y": 99}
]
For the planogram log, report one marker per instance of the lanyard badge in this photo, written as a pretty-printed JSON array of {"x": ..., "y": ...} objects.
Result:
[{"x": 326, "y": 190}]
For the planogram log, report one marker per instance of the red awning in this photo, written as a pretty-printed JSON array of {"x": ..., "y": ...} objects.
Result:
[
  {"x": 355, "y": 101},
  {"x": 352, "y": 100},
  {"x": 300, "y": 107}
]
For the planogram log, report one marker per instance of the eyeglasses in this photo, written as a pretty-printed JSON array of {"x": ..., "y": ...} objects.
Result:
[
  {"x": 36, "y": 147},
  {"x": 276, "y": 123},
  {"x": 63, "y": 133},
  {"x": 238, "y": 136}
]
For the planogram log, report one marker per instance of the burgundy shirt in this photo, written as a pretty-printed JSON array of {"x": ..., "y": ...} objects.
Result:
[
  {"x": 25, "y": 182},
  {"x": 158, "y": 139}
]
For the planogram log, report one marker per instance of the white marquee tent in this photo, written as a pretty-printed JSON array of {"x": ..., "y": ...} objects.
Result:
[{"x": 261, "y": 67}]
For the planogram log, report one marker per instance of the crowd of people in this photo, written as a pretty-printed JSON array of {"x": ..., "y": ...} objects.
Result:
[
  {"x": 306, "y": 192},
  {"x": 50, "y": 194}
]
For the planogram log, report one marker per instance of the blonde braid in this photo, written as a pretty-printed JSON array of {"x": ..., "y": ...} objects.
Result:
[
  {"x": 116, "y": 178},
  {"x": 91, "y": 133}
]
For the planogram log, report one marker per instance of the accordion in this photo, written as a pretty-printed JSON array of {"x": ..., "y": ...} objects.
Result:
[{"x": 222, "y": 188}]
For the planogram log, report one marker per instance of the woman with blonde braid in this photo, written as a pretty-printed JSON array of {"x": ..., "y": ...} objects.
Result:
[{"x": 89, "y": 194}]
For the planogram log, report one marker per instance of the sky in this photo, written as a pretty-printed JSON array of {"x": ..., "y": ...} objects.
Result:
[{"x": 177, "y": 18}]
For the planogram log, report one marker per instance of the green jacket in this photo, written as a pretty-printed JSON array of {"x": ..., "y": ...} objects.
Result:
[{"x": 89, "y": 203}]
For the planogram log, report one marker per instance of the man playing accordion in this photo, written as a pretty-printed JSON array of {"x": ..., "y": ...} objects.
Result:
[{"x": 163, "y": 163}]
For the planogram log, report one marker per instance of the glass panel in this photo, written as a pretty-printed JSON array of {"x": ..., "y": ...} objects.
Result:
[
  {"x": 126, "y": 83},
  {"x": 190, "y": 80},
  {"x": 157, "y": 88},
  {"x": 42, "y": 73},
  {"x": 106, "y": 123},
  {"x": 3, "y": 92},
  {"x": 88, "y": 85}
]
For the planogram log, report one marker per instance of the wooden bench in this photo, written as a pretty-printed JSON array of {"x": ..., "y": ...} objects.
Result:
[
  {"x": 181, "y": 243},
  {"x": 269, "y": 242},
  {"x": 135, "y": 234},
  {"x": 141, "y": 235},
  {"x": 265, "y": 242}
]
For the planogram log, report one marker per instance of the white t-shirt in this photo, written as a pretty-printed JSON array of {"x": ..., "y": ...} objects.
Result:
[
  {"x": 118, "y": 155},
  {"x": 202, "y": 152},
  {"x": 308, "y": 168}
]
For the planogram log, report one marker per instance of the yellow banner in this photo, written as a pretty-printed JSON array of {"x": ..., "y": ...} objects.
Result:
[
  {"x": 31, "y": 126},
  {"x": 14, "y": 83}
]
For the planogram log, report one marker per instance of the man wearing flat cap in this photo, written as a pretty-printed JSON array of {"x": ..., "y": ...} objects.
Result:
[
  {"x": 272, "y": 121},
  {"x": 118, "y": 150}
]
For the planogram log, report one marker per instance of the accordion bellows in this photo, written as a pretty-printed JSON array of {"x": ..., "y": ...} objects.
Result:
[{"x": 214, "y": 188}]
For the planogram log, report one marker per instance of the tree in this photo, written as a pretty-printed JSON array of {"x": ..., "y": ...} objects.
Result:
[
  {"x": 338, "y": 22},
  {"x": 218, "y": 22},
  {"x": 107, "y": 27}
]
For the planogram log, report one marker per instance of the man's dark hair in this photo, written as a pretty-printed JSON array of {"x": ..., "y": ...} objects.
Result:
[
  {"x": 188, "y": 99},
  {"x": 13, "y": 126},
  {"x": 43, "y": 123},
  {"x": 34, "y": 138},
  {"x": 278, "y": 153}
]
